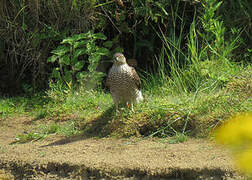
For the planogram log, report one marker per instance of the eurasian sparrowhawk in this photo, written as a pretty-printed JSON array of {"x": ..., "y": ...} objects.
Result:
[{"x": 124, "y": 82}]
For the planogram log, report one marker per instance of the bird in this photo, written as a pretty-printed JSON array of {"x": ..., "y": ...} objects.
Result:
[{"x": 123, "y": 82}]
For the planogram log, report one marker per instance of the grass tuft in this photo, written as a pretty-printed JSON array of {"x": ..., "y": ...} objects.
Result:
[
  {"x": 163, "y": 113},
  {"x": 67, "y": 129}
]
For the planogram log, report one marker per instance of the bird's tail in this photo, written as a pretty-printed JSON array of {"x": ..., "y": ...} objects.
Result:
[{"x": 139, "y": 97}]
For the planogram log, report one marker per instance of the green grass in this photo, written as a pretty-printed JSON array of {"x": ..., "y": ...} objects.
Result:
[
  {"x": 66, "y": 129},
  {"x": 163, "y": 113}
]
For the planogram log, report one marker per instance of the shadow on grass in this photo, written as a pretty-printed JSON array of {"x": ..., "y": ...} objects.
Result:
[{"x": 95, "y": 128}]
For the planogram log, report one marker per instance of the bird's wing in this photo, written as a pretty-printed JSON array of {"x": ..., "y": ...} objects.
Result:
[{"x": 136, "y": 78}]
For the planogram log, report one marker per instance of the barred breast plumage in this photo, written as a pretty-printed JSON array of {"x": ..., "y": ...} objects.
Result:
[{"x": 124, "y": 82}]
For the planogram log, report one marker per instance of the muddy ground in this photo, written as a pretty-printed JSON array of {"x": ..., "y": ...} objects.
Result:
[{"x": 57, "y": 157}]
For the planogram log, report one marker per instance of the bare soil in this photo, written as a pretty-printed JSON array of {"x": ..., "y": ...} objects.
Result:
[{"x": 79, "y": 157}]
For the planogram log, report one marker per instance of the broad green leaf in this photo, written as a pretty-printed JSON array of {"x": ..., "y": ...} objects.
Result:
[
  {"x": 75, "y": 37},
  {"x": 79, "y": 52},
  {"x": 117, "y": 49},
  {"x": 94, "y": 58},
  {"x": 82, "y": 36},
  {"x": 74, "y": 60},
  {"x": 92, "y": 67},
  {"x": 61, "y": 50},
  {"x": 102, "y": 51},
  {"x": 81, "y": 75},
  {"x": 68, "y": 40},
  {"x": 99, "y": 36},
  {"x": 98, "y": 75},
  {"x": 91, "y": 47},
  {"x": 52, "y": 58},
  {"x": 80, "y": 43},
  {"x": 93, "y": 62},
  {"x": 79, "y": 65},
  {"x": 67, "y": 76},
  {"x": 55, "y": 73},
  {"x": 65, "y": 59},
  {"x": 108, "y": 44}
]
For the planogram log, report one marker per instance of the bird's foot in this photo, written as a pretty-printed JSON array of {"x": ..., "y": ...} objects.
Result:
[{"x": 130, "y": 106}]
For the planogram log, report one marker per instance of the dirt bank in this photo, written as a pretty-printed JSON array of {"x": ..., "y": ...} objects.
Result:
[{"x": 57, "y": 157}]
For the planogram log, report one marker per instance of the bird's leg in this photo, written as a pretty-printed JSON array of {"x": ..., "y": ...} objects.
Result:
[
  {"x": 116, "y": 102},
  {"x": 132, "y": 108},
  {"x": 130, "y": 105},
  {"x": 117, "y": 108}
]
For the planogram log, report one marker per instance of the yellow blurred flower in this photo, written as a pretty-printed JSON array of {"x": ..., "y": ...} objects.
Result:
[
  {"x": 236, "y": 133},
  {"x": 244, "y": 160}
]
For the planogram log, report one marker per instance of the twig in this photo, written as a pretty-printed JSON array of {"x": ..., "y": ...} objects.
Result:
[{"x": 111, "y": 20}]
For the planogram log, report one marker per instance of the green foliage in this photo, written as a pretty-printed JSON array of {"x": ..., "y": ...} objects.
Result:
[
  {"x": 237, "y": 15},
  {"x": 67, "y": 129},
  {"x": 21, "y": 105},
  {"x": 214, "y": 35},
  {"x": 29, "y": 31},
  {"x": 208, "y": 18},
  {"x": 24, "y": 138},
  {"x": 207, "y": 63},
  {"x": 178, "y": 138},
  {"x": 7, "y": 108},
  {"x": 76, "y": 52}
]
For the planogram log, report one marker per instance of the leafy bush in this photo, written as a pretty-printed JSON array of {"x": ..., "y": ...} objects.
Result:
[
  {"x": 76, "y": 52},
  {"x": 29, "y": 30}
]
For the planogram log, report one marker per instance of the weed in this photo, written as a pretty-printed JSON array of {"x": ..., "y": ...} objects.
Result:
[
  {"x": 70, "y": 66},
  {"x": 23, "y": 105},
  {"x": 2, "y": 149},
  {"x": 68, "y": 129},
  {"x": 23, "y": 138},
  {"x": 207, "y": 64},
  {"x": 178, "y": 138},
  {"x": 42, "y": 154}
]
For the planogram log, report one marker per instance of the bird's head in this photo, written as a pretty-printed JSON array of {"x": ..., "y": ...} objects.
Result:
[{"x": 119, "y": 59}]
